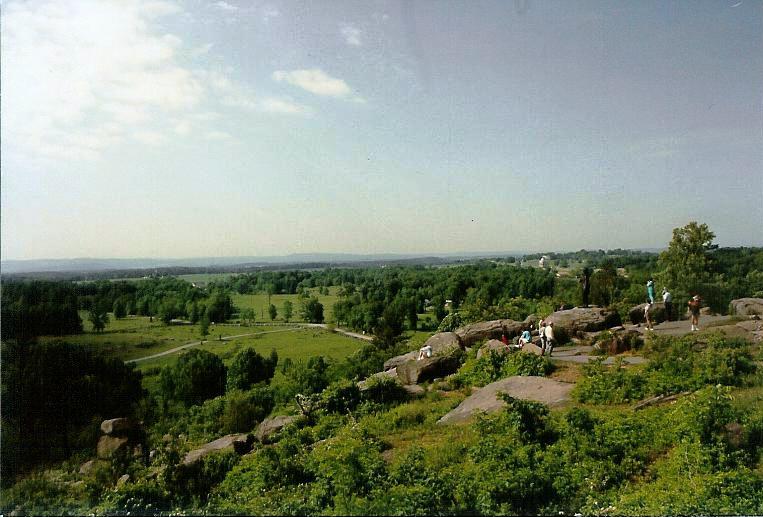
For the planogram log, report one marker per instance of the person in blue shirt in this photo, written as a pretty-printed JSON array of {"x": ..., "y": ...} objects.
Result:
[
  {"x": 524, "y": 338},
  {"x": 650, "y": 290}
]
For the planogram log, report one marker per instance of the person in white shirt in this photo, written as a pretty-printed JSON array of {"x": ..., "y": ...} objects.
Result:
[
  {"x": 667, "y": 299},
  {"x": 647, "y": 319},
  {"x": 549, "y": 334},
  {"x": 425, "y": 351}
]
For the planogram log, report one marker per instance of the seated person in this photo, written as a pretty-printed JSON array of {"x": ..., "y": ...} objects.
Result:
[
  {"x": 524, "y": 338},
  {"x": 425, "y": 351}
]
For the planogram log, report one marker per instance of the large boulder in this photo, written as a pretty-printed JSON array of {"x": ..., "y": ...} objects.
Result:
[
  {"x": 413, "y": 372},
  {"x": 239, "y": 443},
  {"x": 494, "y": 345},
  {"x": 656, "y": 313},
  {"x": 480, "y": 331},
  {"x": 583, "y": 319},
  {"x": 539, "y": 389},
  {"x": 441, "y": 343},
  {"x": 120, "y": 426},
  {"x": 747, "y": 306},
  {"x": 110, "y": 445},
  {"x": 396, "y": 361},
  {"x": 269, "y": 427}
]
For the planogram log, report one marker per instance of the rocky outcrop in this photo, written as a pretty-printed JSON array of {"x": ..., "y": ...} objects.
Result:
[
  {"x": 396, "y": 361},
  {"x": 478, "y": 332},
  {"x": 657, "y": 313},
  {"x": 120, "y": 426},
  {"x": 539, "y": 389},
  {"x": 583, "y": 319},
  {"x": 269, "y": 427},
  {"x": 617, "y": 342},
  {"x": 238, "y": 443},
  {"x": 494, "y": 345},
  {"x": 747, "y": 306},
  {"x": 120, "y": 434},
  {"x": 441, "y": 343},
  {"x": 416, "y": 371}
]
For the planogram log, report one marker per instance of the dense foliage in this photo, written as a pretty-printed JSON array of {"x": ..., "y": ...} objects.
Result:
[
  {"x": 54, "y": 397},
  {"x": 196, "y": 376}
]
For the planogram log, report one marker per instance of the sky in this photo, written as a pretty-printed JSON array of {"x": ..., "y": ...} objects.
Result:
[{"x": 157, "y": 128}]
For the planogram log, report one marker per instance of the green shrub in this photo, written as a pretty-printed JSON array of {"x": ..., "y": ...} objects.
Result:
[
  {"x": 497, "y": 365},
  {"x": 245, "y": 409},
  {"x": 609, "y": 385},
  {"x": 384, "y": 390},
  {"x": 249, "y": 368},
  {"x": 340, "y": 397},
  {"x": 197, "y": 375},
  {"x": 194, "y": 482},
  {"x": 450, "y": 322}
]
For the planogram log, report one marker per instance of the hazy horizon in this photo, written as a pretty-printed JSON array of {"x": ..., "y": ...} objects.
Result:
[{"x": 165, "y": 129}]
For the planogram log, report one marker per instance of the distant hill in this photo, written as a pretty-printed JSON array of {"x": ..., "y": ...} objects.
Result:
[{"x": 120, "y": 268}]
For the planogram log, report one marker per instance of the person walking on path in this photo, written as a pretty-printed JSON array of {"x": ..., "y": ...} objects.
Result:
[
  {"x": 650, "y": 290},
  {"x": 695, "y": 304},
  {"x": 667, "y": 299},
  {"x": 586, "y": 283},
  {"x": 549, "y": 332},
  {"x": 647, "y": 319}
]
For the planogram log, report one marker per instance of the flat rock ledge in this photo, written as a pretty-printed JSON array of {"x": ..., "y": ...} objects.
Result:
[{"x": 539, "y": 389}]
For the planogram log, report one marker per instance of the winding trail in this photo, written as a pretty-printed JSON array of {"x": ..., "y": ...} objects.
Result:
[{"x": 228, "y": 338}]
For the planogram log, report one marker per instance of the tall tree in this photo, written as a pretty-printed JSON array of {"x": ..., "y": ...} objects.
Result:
[
  {"x": 288, "y": 310},
  {"x": 272, "y": 312},
  {"x": 685, "y": 264}
]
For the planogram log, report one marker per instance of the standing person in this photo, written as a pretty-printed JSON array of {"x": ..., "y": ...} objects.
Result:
[
  {"x": 667, "y": 299},
  {"x": 542, "y": 335},
  {"x": 549, "y": 338},
  {"x": 647, "y": 319},
  {"x": 586, "y": 282},
  {"x": 650, "y": 290},
  {"x": 695, "y": 304}
]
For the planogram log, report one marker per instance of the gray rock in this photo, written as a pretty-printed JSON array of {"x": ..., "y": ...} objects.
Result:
[
  {"x": 120, "y": 426},
  {"x": 531, "y": 348},
  {"x": 494, "y": 345},
  {"x": 413, "y": 372},
  {"x": 414, "y": 390},
  {"x": 539, "y": 389},
  {"x": 478, "y": 332},
  {"x": 123, "y": 479},
  {"x": 89, "y": 466},
  {"x": 110, "y": 445},
  {"x": 747, "y": 306},
  {"x": 269, "y": 427},
  {"x": 239, "y": 443},
  {"x": 583, "y": 319},
  {"x": 396, "y": 361}
]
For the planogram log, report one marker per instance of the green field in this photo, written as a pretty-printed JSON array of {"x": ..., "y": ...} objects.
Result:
[{"x": 259, "y": 302}]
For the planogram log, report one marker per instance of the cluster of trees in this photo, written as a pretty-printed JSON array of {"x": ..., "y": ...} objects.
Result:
[
  {"x": 37, "y": 308},
  {"x": 54, "y": 397}
]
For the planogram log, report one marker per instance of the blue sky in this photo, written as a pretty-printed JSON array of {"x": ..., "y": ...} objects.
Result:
[{"x": 148, "y": 128}]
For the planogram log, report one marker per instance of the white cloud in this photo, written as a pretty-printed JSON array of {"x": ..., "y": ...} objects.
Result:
[
  {"x": 314, "y": 81},
  {"x": 279, "y": 105},
  {"x": 351, "y": 35},
  {"x": 225, "y": 6},
  {"x": 72, "y": 69}
]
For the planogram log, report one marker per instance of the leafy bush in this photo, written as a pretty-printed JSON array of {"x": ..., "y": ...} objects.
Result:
[
  {"x": 676, "y": 365},
  {"x": 194, "y": 482},
  {"x": 384, "y": 390},
  {"x": 197, "y": 376},
  {"x": 450, "y": 322},
  {"x": 340, "y": 397},
  {"x": 249, "y": 368},
  {"x": 245, "y": 409},
  {"x": 498, "y": 365}
]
